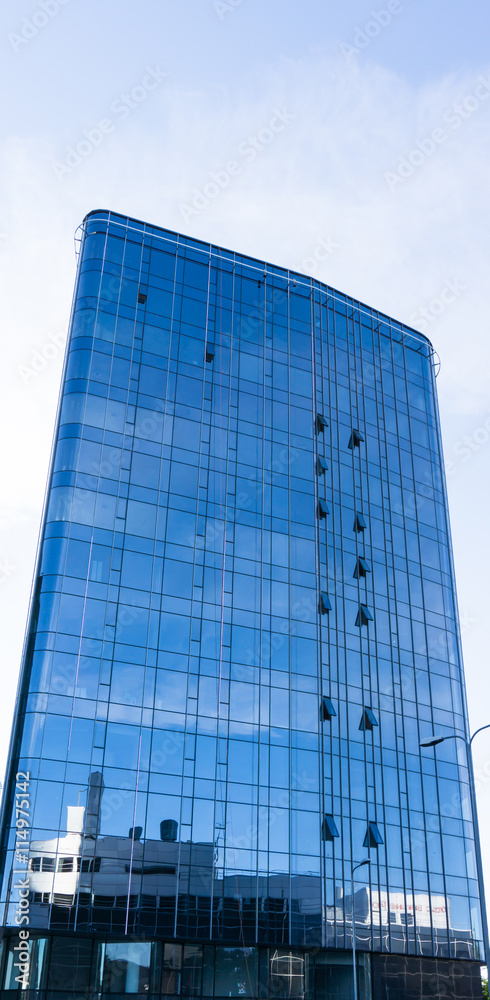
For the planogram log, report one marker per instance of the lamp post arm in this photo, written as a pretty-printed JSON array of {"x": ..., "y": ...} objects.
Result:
[
  {"x": 458, "y": 736},
  {"x": 479, "y": 731}
]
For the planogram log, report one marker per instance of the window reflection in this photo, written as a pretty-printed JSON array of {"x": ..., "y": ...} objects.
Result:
[
  {"x": 127, "y": 968},
  {"x": 15, "y": 955},
  {"x": 287, "y": 975},
  {"x": 236, "y": 972},
  {"x": 171, "y": 969}
]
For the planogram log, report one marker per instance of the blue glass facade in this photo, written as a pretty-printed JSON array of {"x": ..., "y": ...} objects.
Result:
[{"x": 243, "y": 623}]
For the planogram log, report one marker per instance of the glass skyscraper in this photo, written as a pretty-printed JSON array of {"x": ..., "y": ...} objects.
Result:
[{"x": 243, "y": 623}]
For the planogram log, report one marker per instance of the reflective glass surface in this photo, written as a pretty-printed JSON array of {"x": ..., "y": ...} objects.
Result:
[{"x": 215, "y": 561}]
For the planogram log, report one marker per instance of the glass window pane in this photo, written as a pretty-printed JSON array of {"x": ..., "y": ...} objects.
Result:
[
  {"x": 127, "y": 967},
  {"x": 235, "y": 972}
]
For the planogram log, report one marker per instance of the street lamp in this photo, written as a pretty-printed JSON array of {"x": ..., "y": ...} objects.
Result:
[
  {"x": 433, "y": 741},
  {"x": 367, "y": 861}
]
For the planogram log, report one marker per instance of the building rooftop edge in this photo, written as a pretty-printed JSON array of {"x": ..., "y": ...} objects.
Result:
[{"x": 308, "y": 277}]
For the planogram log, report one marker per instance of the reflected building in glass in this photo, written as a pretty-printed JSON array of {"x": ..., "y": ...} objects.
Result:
[{"x": 243, "y": 623}]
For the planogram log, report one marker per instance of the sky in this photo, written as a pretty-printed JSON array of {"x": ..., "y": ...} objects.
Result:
[{"x": 349, "y": 141}]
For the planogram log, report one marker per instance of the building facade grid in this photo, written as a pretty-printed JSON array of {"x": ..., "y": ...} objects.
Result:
[{"x": 246, "y": 515}]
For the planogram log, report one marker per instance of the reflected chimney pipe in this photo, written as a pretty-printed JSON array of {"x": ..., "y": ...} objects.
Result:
[{"x": 168, "y": 830}]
